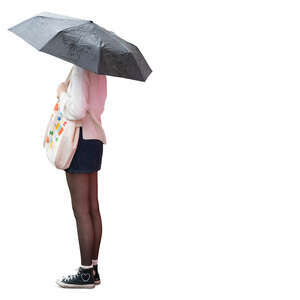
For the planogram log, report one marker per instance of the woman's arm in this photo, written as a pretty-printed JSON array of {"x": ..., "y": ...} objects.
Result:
[{"x": 73, "y": 103}]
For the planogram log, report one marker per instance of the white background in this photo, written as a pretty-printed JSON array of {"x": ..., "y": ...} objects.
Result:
[{"x": 199, "y": 187}]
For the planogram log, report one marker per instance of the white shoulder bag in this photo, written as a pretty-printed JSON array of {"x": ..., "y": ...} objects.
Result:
[{"x": 61, "y": 137}]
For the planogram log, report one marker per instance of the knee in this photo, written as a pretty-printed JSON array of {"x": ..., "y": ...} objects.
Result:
[
  {"x": 81, "y": 214},
  {"x": 95, "y": 208}
]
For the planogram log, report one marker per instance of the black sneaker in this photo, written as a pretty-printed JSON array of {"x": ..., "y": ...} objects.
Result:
[
  {"x": 82, "y": 279},
  {"x": 96, "y": 274}
]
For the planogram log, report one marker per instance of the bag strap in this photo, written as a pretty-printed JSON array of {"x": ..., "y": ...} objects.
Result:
[{"x": 67, "y": 81}]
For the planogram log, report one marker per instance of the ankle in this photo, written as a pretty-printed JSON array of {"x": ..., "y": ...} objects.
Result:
[
  {"x": 95, "y": 262},
  {"x": 86, "y": 267}
]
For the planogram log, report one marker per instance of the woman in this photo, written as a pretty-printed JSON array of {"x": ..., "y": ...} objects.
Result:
[{"x": 85, "y": 90}]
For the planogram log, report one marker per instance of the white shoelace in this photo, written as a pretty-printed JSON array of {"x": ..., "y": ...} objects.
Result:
[{"x": 72, "y": 276}]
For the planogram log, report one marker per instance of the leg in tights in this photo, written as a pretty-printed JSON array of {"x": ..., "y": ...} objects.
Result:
[
  {"x": 95, "y": 213},
  {"x": 79, "y": 189}
]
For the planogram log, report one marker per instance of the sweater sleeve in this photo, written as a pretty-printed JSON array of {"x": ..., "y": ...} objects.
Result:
[{"x": 73, "y": 103}]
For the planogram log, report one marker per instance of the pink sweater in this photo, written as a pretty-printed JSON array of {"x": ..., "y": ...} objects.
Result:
[{"x": 86, "y": 90}]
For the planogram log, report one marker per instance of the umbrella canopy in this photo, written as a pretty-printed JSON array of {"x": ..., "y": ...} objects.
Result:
[{"x": 85, "y": 44}]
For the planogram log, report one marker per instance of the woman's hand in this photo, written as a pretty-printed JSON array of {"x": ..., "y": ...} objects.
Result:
[{"x": 62, "y": 87}]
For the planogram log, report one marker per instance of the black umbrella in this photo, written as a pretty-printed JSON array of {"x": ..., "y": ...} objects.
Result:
[{"x": 84, "y": 44}]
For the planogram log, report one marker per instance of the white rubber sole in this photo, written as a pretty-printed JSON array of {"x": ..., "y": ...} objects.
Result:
[
  {"x": 97, "y": 282},
  {"x": 75, "y": 286}
]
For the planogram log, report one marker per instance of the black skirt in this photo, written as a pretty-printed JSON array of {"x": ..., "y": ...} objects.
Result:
[{"x": 87, "y": 157}]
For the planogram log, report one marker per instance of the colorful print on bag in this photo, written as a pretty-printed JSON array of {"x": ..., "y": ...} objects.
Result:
[
  {"x": 53, "y": 135},
  {"x": 56, "y": 127},
  {"x": 61, "y": 138}
]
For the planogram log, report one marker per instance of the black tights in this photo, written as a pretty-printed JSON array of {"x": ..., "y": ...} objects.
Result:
[{"x": 84, "y": 194}]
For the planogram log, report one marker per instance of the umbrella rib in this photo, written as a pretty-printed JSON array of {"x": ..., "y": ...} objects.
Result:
[{"x": 120, "y": 41}]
